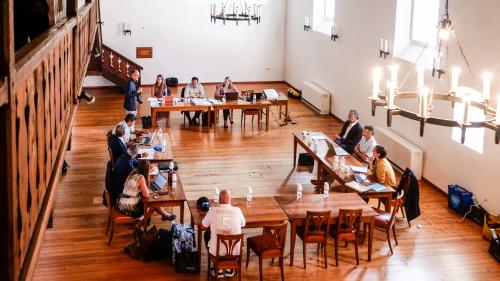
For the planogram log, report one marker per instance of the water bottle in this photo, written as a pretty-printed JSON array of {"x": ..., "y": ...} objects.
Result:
[
  {"x": 342, "y": 162},
  {"x": 326, "y": 190},
  {"x": 174, "y": 180},
  {"x": 249, "y": 195},
  {"x": 315, "y": 146},
  {"x": 335, "y": 162},
  {"x": 254, "y": 98},
  {"x": 216, "y": 194},
  {"x": 299, "y": 191},
  {"x": 224, "y": 99}
]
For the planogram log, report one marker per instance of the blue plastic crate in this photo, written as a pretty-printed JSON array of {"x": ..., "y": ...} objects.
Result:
[{"x": 459, "y": 199}]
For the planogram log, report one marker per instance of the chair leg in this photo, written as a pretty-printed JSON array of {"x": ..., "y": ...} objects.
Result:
[
  {"x": 325, "y": 254},
  {"x": 208, "y": 268},
  {"x": 260, "y": 268},
  {"x": 394, "y": 233},
  {"x": 111, "y": 235},
  {"x": 109, "y": 223},
  {"x": 356, "y": 250},
  {"x": 304, "y": 253},
  {"x": 282, "y": 270},
  {"x": 378, "y": 207},
  {"x": 406, "y": 215},
  {"x": 389, "y": 240},
  {"x": 242, "y": 114},
  {"x": 248, "y": 255},
  {"x": 336, "y": 252}
]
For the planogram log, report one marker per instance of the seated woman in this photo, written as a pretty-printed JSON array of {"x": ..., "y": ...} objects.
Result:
[
  {"x": 381, "y": 168},
  {"x": 136, "y": 188},
  {"x": 220, "y": 92},
  {"x": 160, "y": 90}
]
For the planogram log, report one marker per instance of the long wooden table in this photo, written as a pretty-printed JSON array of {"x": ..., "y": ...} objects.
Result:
[
  {"x": 280, "y": 102},
  {"x": 258, "y": 213},
  {"x": 296, "y": 212},
  {"x": 325, "y": 164},
  {"x": 176, "y": 105},
  {"x": 159, "y": 156},
  {"x": 241, "y": 104},
  {"x": 175, "y": 198}
]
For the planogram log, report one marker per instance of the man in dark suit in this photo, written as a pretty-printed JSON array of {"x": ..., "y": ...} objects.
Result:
[
  {"x": 116, "y": 143},
  {"x": 132, "y": 93},
  {"x": 351, "y": 133},
  {"x": 124, "y": 165}
]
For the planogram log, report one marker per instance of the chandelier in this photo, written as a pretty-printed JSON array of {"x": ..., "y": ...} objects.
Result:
[
  {"x": 236, "y": 12},
  {"x": 468, "y": 97}
]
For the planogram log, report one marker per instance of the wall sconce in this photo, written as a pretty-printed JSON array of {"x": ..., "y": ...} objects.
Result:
[
  {"x": 306, "y": 24},
  {"x": 333, "y": 35},
  {"x": 384, "y": 48},
  {"x": 126, "y": 29}
]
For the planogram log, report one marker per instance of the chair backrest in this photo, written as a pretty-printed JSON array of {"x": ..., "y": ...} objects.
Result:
[
  {"x": 274, "y": 237},
  {"x": 317, "y": 223},
  {"x": 233, "y": 243},
  {"x": 349, "y": 221},
  {"x": 398, "y": 202},
  {"x": 183, "y": 92},
  {"x": 108, "y": 202},
  {"x": 111, "y": 156}
]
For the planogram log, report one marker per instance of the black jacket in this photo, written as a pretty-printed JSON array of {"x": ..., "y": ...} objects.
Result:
[
  {"x": 412, "y": 194},
  {"x": 354, "y": 135},
  {"x": 117, "y": 147},
  {"x": 131, "y": 95}
]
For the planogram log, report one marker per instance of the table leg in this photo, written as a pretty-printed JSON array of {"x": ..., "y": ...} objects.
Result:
[
  {"x": 208, "y": 118},
  {"x": 153, "y": 118},
  {"x": 370, "y": 238},
  {"x": 145, "y": 218},
  {"x": 293, "y": 233},
  {"x": 192, "y": 222},
  {"x": 294, "y": 152},
  {"x": 286, "y": 112},
  {"x": 267, "y": 118},
  {"x": 200, "y": 235},
  {"x": 216, "y": 113},
  {"x": 320, "y": 179},
  {"x": 182, "y": 212},
  {"x": 388, "y": 203}
]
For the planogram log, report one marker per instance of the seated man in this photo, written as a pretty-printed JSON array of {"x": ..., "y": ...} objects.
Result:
[
  {"x": 194, "y": 90},
  {"x": 116, "y": 143},
  {"x": 222, "y": 219},
  {"x": 129, "y": 125},
  {"x": 351, "y": 132},
  {"x": 364, "y": 149},
  {"x": 125, "y": 164}
]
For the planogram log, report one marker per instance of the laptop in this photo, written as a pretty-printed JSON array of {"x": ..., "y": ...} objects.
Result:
[
  {"x": 159, "y": 184},
  {"x": 146, "y": 140},
  {"x": 232, "y": 95},
  {"x": 336, "y": 150},
  {"x": 258, "y": 96}
]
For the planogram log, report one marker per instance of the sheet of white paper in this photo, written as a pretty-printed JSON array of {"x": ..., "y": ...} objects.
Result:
[
  {"x": 357, "y": 186},
  {"x": 357, "y": 169},
  {"x": 149, "y": 151}
]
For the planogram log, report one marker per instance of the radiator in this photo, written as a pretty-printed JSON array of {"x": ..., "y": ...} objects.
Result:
[
  {"x": 400, "y": 152},
  {"x": 316, "y": 97}
]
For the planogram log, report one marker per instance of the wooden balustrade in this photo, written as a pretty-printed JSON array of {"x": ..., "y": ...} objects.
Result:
[
  {"x": 116, "y": 67},
  {"x": 47, "y": 77}
]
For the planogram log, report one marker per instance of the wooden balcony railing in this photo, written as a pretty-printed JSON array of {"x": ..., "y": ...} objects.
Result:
[
  {"x": 47, "y": 77},
  {"x": 117, "y": 67}
]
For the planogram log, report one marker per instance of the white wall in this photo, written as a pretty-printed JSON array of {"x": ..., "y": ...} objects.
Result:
[
  {"x": 185, "y": 43},
  {"x": 344, "y": 68}
]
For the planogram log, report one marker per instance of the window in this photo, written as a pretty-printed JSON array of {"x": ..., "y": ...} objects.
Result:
[
  {"x": 474, "y": 137},
  {"x": 424, "y": 21},
  {"x": 323, "y": 16}
]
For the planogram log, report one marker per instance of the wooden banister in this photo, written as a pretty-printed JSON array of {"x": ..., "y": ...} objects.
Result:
[{"x": 116, "y": 67}]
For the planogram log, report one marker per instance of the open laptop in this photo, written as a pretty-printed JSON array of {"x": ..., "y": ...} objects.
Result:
[
  {"x": 335, "y": 150},
  {"x": 159, "y": 184},
  {"x": 232, "y": 95},
  {"x": 146, "y": 140}
]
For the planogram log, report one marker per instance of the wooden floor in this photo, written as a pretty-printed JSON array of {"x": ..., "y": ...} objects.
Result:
[{"x": 75, "y": 249}]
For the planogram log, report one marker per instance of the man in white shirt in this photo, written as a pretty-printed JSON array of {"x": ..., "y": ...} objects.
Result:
[
  {"x": 364, "y": 149},
  {"x": 222, "y": 219},
  {"x": 194, "y": 90},
  {"x": 129, "y": 124}
]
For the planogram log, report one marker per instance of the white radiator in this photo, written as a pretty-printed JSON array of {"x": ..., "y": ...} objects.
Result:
[
  {"x": 316, "y": 97},
  {"x": 400, "y": 151}
]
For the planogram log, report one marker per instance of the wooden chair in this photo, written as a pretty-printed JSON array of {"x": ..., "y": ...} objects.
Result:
[
  {"x": 386, "y": 221},
  {"x": 111, "y": 157},
  {"x": 402, "y": 206},
  {"x": 232, "y": 259},
  {"x": 252, "y": 112},
  {"x": 315, "y": 231},
  {"x": 116, "y": 217},
  {"x": 271, "y": 244},
  {"x": 347, "y": 228}
]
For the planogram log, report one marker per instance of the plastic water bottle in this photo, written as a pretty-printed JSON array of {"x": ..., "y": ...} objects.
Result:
[
  {"x": 299, "y": 191},
  {"x": 342, "y": 162},
  {"x": 223, "y": 99},
  {"x": 254, "y": 98},
  {"x": 174, "y": 180},
  {"x": 326, "y": 190},
  {"x": 335, "y": 162},
  {"x": 216, "y": 194},
  {"x": 315, "y": 146},
  {"x": 249, "y": 195}
]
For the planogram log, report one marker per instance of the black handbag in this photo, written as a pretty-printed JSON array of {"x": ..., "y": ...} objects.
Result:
[
  {"x": 139, "y": 249},
  {"x": 172, "y": 82},
  {"x": 146, "y": 122},
  {"x": 186, "y": 262},
  {"x": 305, "y": 160}
]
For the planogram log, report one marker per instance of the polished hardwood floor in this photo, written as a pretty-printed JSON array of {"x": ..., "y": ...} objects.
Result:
[{"x": 437, "y": 247}]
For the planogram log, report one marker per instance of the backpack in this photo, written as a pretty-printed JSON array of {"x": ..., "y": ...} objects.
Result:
[
  {"x": 184, "y": 254},
  {"x": 161, "y": 248}
]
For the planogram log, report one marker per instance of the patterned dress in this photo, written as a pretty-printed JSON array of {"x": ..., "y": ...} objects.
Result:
[{"x": 130, "y": 202}]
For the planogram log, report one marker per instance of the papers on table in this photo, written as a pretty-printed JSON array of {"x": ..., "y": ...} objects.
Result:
[
  {"x": 149, "y": 151},
  {"x": 214, "y": 101},
  {"x": 358, "y": 186},
  {"x": 361, "y": 169},
  {"x": 153, "y": 170},
  {"x": 317, "y": 136},
  {"x": 154, "y": 102},
  {"x": 377, "y": 187},
  {"x": 339, "y": 151},
  {"x": 201, "y": 101}
]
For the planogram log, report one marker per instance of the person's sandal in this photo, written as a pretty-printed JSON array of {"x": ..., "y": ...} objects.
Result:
[{"x": 170, "y": 217}]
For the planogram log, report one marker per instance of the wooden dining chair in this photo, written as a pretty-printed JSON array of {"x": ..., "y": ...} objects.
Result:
[
  {"x": 232, "y": 259},
  {"x": 347, "y": 229},
  {"x": 315, "y": 231},
  {"x": 111, "y": 157},
  {"x": 250, "y": 112},
  {"x": 116, "y": 217},
  {"x": 386, "y": 220},
  {"x": 269, "y": 245},
  {"x": 406, "y": 187}
]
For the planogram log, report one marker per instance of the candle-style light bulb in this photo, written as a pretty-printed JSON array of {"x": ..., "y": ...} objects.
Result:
[
  {"x": 420, "y": 76},
  {"x": 381, "y": 44},
  {"x": 424, "y": 94},
  {"x": 377, "y": 73},
  {"x": 487, "y": 76},
  {"x": 386, "y": 46},
  {"x": 390, "y": 96},
  {"x": 455, "y": 73},
  {"x": 466, "y": 108},
  {"x": 498, "y": 110},
  {"x": 394, "y": 74}
]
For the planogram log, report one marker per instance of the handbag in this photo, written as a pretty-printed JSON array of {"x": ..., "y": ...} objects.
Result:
[
  {"x": 305, "y": 160},
  {"x": 139, "y": 249},
  {"x": 186, "y": 262}
]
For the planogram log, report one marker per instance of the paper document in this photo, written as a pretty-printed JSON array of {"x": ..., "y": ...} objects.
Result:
[
  {"x": 153, "y": 100},
  {"x": 377, "y": 187},
  {"x": 214, "y": 101},
  {"x": 201, "y": 101},
  {"x": 357, "y": 186},
  {"x": 340, "y": 152},
  {"x": 149, "y": 151},
  {"x": 357, "y": 169}
]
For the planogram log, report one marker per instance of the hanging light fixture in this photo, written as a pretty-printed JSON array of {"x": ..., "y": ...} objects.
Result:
[
  {"x": 468, "y": 97},
  {"x": 241, "y": 11}
]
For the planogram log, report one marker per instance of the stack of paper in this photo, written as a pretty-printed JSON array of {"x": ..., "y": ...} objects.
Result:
[
  {"x": 357, "y": 186},
  {"x": 201, "y": 101}
]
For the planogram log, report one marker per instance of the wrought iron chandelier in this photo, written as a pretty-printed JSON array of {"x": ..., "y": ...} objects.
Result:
[
  {"x": 456, "y": 94},
  {"x": 241, "y": 11}
]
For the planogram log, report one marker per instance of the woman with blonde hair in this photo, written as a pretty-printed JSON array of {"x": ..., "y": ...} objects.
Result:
[{"x": 160, "y": 90}]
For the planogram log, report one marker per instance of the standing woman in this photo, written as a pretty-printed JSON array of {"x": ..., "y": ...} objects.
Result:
[
  {"x": 220, "y": 92},
  {"x": 160, "y": 90}
]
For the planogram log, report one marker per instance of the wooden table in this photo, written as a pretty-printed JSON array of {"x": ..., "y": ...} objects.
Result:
[
  {"x": 296, "y": 212},
  {"x": 281, "y": 101},
  {"x": 242, "y": 104},
  {"x": 174, "y": 198},
  {"x": 325, "y": 164},
  {"x": 258, "y": 213},
  {"x": 160, "y": 156},
  {"x": 177, "y": 106}
]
